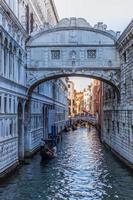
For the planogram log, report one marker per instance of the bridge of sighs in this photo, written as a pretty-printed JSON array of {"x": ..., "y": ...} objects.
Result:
[{"x": 73, "y": 48}]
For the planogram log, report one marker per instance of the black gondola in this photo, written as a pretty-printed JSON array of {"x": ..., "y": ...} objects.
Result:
[
  {"x": 46, "y": 154},
  {"x": 74, "y": 128},
  {"x": 47, "y": 151},
  {"x": 67, "y": 129}
]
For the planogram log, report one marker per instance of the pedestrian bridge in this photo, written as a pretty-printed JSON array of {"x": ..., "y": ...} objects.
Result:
[
  {"x": 73, "y": 48},
  {"x": 91, "y": 119}
]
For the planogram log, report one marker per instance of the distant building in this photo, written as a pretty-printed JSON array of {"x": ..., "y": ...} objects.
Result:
[
  {"x": 96, "y": 95},
  {"x": 88, "y": 99},
  {"x": 71, "y": 98},
  {"x": 79, "y": 102}
]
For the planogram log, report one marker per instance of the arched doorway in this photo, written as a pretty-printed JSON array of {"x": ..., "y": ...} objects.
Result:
[
  {"x": 26, "y": 122},
  {"x": 45, "y": 121},
  {"x": 20, "y": 132}
]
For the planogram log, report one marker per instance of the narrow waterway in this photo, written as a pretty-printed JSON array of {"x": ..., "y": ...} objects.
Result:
[{"x": 84, "y": 170}]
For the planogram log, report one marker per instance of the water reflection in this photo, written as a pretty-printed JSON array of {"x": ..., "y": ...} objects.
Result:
[{"x": 84, "y": 170}]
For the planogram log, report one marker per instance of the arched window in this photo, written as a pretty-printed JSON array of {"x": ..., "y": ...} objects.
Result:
[
  {"x": 106, "y": 95},
  {"x": 114, "y": 94},
  {"x": 5, "y": 55},
  {"x": 13, "y": 62},
  {"x": 19, "y": 64},
  {"x": 109, "y": 93},
  {"x": 10, "y": 60}
]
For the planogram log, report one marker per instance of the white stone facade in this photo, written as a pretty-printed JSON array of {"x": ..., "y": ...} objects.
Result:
[{"x": 18, "y": 136}]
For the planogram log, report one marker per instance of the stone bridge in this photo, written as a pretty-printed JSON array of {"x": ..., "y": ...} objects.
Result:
[
  {"x": 73, "y": 48},
  {"x": 91, "y": 119}
]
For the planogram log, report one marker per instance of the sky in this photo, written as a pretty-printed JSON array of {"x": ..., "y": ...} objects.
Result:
[
  {"x": 117, "y": 14},
  {"x": 80, "y": 83}
]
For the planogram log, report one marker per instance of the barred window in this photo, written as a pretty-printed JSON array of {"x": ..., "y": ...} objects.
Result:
[
  {"x": 125, "y": 57},
  {"x": 55, "y": 54},
  {"x": 91, "y": 53}
]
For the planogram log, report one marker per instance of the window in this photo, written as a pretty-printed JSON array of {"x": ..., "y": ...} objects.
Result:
[
  {"x": 10, "y": 104},
  {"x": 11, "y": 128},
  {"x": 108, "y": 125},
  {"x": 55, "y": 54},
  {"x": 109, "y": 93},
  {"x": 5, "y": 104},
  {"x": 5, "y": 56},
  {"x": 27, "y": 18},
  {"x": 113, "y": 125},
  {"x": 19, "y": 65},
  {"x": 10, "y": 60},
  {"x": 91, "y": 53},
  {"x": 125, "y": 57},
  {"x": 118, "y": 127},
  {"x": 110, "y": 63},
  {"x": 31, "y": 22}
]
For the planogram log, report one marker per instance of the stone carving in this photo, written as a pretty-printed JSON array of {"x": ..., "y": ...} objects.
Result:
[
  {"x": 73, "y": 55},
  {"x": 72, "y": 36},
  {"x": 110, "y": 63},
  {"x": 112, "y": 76},
  {"x": 81, "y": 22},
  {"x": 73, "y": 22},
  {"x": 32, "y": 76},
  {"x": 100, "y": 26}
]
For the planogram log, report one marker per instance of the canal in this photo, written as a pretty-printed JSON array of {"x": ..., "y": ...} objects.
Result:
[{"x": 83, "y": 170}]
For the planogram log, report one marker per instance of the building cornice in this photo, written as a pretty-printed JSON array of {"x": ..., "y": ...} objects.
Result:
[
  {"x": 58, "y": 29},
  {"x": 24, "y": 89},
  {"x": 54, "y": 10},
  {"x": 126, "y": 37}
]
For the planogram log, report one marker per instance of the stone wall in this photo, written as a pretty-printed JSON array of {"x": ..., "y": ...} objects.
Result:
[{"x": 117, "y": 130}]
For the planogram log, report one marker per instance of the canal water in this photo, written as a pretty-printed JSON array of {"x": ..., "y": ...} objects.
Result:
[{"x": 83, "y": 170}]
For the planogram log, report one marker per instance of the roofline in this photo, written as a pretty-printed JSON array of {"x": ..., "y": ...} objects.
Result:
[
  {"x": 54, "y": 10},
  {"x": 56, "y": 29},
  {"x": 126, "y": 31}
]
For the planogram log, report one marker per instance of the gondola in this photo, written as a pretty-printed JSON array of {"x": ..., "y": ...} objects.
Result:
[
  {"x": 74, "y": 128},
  {"x": 46, "y": 155},
  {"x": 48, "y": 151},
  {"x": 67, "y": 129}
]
